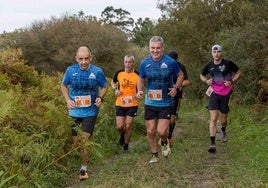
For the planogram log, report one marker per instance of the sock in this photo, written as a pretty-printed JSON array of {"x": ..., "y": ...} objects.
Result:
[
  {"x": 125, "y": 147},
  {"x": 83, "y": 167},
  {"x": 164, "y": 142},
  {"x": 171, "y": 128},
  {"x": 155, "y": 154},
  {"x": 212, "y": 140}
]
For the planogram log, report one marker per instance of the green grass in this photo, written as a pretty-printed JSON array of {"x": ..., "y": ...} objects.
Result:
[{"x": 241, "y": 162}]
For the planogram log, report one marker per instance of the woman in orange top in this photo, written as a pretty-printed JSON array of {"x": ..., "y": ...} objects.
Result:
[{"x": 124, "y": 84}]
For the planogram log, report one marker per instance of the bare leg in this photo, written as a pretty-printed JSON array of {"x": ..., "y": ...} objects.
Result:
[
  {"x": 129, "y": 122},
  {"x": 213, "y": 122},
  {"x": 85, "y": 148},
  {"x": 151, "y": 135},
  {"x": 120, "y": 124},
  {"x": 162, "y": 128},
  {"x": 223, "y": 120}
]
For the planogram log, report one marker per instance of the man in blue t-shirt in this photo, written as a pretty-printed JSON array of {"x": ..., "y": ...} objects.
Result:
[
  {"x": 83, "y": 87},
  {"x": 157, "y": 72}
]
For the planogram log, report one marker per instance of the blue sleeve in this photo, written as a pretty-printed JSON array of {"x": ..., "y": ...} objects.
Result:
[
  {"x": 103, "y": 81},
  {"x": 65, "y": 80},
  {"x": 141, "y": 70}
]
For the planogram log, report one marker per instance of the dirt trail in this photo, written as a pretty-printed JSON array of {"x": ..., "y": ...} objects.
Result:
[{"x": 207, "y": 179}]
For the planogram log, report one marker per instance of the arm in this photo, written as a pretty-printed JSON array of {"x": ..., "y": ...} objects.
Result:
[
  {"x": 102, "y": 94},
  {"x": 185, "y": 83},
  {"x": 140, "y": 87},
  {"x": 205, "y": 80},
  {"x": 114, "y": 87},
  {"x": 179, "y": 80},
  {"x": 235, "y": 78},
  {"x": 65, "y": 92},
  {"x": 177, "y": 85},
  {"x": 103, "y": 91}
]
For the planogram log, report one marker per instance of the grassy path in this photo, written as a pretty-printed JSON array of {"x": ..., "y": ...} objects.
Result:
[{"x": 189, "y": 165}]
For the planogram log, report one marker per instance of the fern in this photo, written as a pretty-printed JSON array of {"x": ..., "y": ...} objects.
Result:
[{"x": 8, "y": 100}]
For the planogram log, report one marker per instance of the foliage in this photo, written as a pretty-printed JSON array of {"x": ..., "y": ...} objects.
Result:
[
  {"x": 143, "y": 31},
  {"x": 51, "y": 45},
  {"x": 16, "y": 70},
  {"x": 192, "y": 27},
  {"x": 30, "y": 137},
  {"x": 118, "y": 18},
  {"x": 36, "y": 150}
]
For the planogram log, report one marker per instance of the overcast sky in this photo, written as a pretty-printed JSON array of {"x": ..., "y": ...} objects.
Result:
[{"x": 15, "y": 14}]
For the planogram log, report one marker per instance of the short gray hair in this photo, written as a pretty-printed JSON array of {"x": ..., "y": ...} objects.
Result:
[{"x": 157, "y": 39}]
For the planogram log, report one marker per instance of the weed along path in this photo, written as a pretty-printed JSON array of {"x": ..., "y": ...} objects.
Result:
[{"x": 189, "y": 165}]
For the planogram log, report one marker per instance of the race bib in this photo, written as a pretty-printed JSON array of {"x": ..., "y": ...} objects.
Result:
[
  {"x": 127, "y": 100},
  {"x": 155, "y": 94},
  {"x": 209, "y": 91},
  {"x": 83, "y": 101}
]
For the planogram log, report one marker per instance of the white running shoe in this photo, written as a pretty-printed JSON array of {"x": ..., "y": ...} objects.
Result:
[
  {"x": 166, "y": 150},
  {"x": 154, "y": 159}
]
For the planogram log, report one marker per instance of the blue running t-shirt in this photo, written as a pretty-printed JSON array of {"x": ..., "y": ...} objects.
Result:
[
  {"x": 84, "y": 89},
  {"x": 160, "y": 75}
]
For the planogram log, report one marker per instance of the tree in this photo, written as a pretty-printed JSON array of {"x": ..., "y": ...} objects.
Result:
[
  {"x": 191, "y": 27},
  {"x": 50, "y": 45},
  {"x": 143, "y": 31},
  {"x": 117, "y": 17}
]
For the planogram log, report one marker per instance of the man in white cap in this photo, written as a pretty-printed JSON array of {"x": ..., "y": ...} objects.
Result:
[{"x": 223, "y": 74}]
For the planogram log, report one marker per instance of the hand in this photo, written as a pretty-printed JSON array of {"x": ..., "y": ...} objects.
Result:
[
  {"x": 209, "y": 82},
  {"x": 139, "y": 94},
  {"x": 173, "y": 91},
  {"x": 117, "y": 92},
  {"x": 228, "y": 83},
  {"x": 70, "y": 104},
  {"x": 98, "y": 101}
]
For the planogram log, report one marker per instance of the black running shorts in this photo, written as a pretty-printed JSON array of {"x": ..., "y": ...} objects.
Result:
[{"x": 87, "y": 123}]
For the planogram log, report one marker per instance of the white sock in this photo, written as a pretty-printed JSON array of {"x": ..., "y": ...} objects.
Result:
[{"x": 83, "y": 167}]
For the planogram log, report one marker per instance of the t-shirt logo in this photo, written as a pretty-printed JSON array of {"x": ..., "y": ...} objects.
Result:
[
  {"x": 222, "y": 68},
  {"x": 163, "y": 66},
  {"x": 92, "y": 76}
]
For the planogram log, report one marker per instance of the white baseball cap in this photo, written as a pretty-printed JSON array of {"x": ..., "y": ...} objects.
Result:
[{"x": 216, "y": 47}]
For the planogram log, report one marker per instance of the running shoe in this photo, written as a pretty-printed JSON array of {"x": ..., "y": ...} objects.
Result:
[
  {"x": 166, "y": 150},
  {"x": 125, "y": 148},
  {"x": 212, "y": 148},
  {"x": 224, "y": 137},
  {"x": 83, "y": 175},
  {"x": 121, "y": 141},
  {"x": 154, "y": 159}
]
